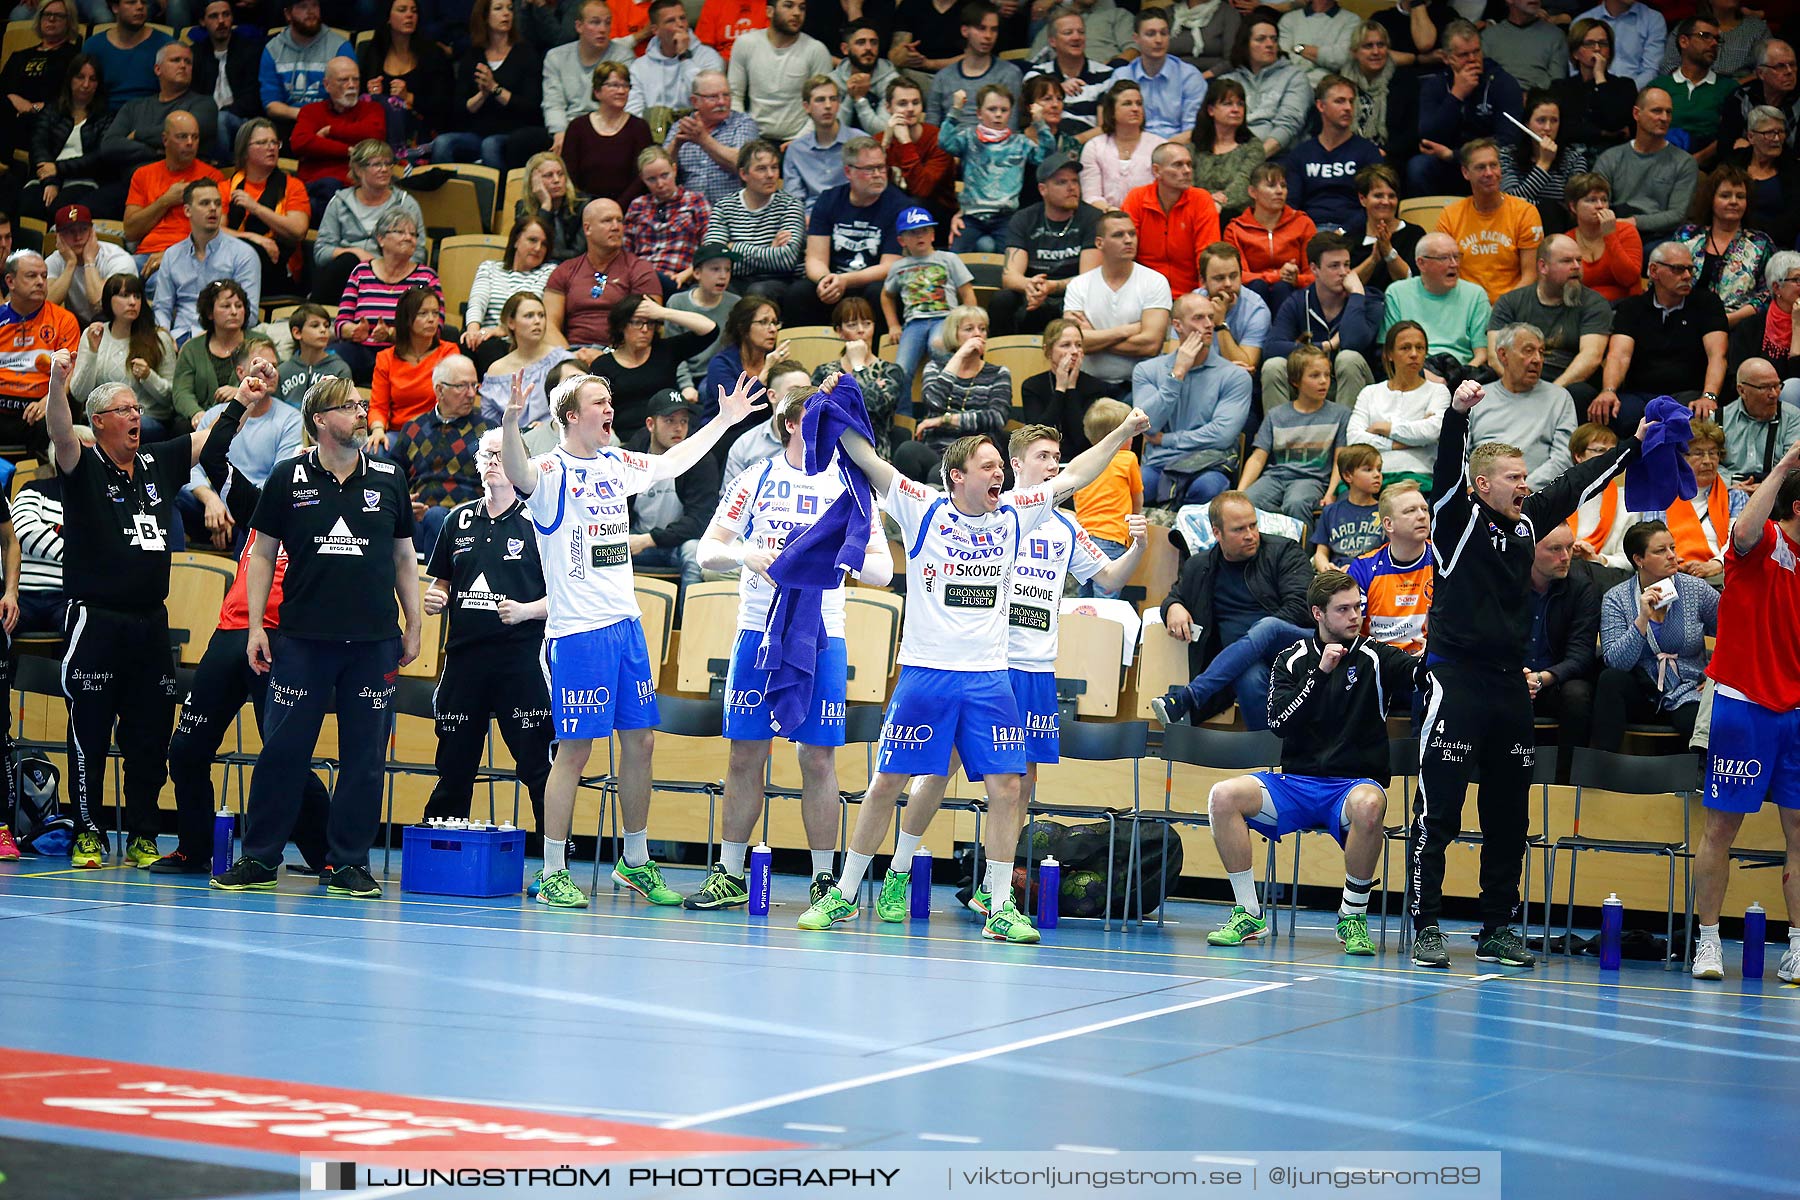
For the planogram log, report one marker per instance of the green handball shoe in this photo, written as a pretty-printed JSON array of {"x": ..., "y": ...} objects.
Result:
[
  {"x": 982, "y": 901},
  {"x": 141, "y": 852},
  {"x": 1241, "y": 928},
  {"x": 892, "y": 905},
  {"x": 1008, "y": 924},
  {"x": 646, "y": 881},
  {"x": 832, "y": 910},
  {"x": 720, "y": 890},
  {"x": 1353, "y": 932},
  {"x": 557, "y": 890}
]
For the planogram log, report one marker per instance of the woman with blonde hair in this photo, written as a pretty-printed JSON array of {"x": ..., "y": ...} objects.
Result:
[{"x": 550, "y": 198}]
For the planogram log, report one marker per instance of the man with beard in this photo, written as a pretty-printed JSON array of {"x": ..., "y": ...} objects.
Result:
[
  {"x": 346, "y": 522},
  {"x": 766, "y": 66},
  {"x": 118, "y": 516},
  {"x": 294, "y": 62},
  {"x": 865, "y": 75},
  {"x": 1575, "y": 321}
]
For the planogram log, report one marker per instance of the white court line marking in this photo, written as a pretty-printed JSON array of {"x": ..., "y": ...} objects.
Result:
[
  {"x": 574, "y": 1109},
  {"x": 804, "y": 1128},
  {"x": 1485, "y": 978},
  {"x": 955, "y": 1138},
  {"x": 957, "y": 1060},
  {"x": 1071, "y": 1148},
  {"x": 1224, "y": 1160}
]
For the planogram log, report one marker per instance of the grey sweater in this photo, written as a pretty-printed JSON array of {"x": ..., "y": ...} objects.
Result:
[
  {"x": 1538, "y": 422},
  {"x": 1654, "y": 188},
  {"x": 350, "y": 222},
  {"x": 691, "y": 372}
]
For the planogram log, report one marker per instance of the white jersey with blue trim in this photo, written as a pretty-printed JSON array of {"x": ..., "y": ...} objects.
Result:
[
  {"x": 958, "y": 574},
  {"x": 767, "y": 505},
  {"x": 1057, "y": 547},
  {"x": 579, "y": 512}
]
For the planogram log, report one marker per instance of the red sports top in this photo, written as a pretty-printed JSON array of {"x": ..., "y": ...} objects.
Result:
[
  {"x": 1758, "y": 612},
  {"x": 235, "y": 612}
]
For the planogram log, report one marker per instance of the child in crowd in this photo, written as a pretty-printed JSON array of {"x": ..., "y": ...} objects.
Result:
[
  {"x": 710, "y": 296},
  {"x": 1271, "y": 238},
  {"x": 994, "y": 161},
  {"x": 312, "y": 359},
  {"x": 927, "y": 282},
  {"x": 1103, "y": 505},
  {"x": 1350, "y": 525},
  {"x": 1294, "y": 463}
]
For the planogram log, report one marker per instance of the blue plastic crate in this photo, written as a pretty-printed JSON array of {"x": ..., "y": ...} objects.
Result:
[{"x": 462, "y": 862}]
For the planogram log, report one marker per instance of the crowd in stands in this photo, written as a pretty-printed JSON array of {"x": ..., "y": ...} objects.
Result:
[{"x": 1286, "y": 232}]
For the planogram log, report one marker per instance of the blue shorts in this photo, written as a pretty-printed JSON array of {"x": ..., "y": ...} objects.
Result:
[
  {"x": 600, "y": 681},
  {"x": 933, "y": 711},
  {"x": 1302, "y": 803},
  {"x": 747, "y": 710},
  {"x": 1035, "y": 694},
  {"x": 1753, "y": 756}
]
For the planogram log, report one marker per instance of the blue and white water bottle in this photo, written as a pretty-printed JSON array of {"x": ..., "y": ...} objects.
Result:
[
  {"x": 1756, "y": 932},
  {"x": 762, "y": 861},
  {"x": 1612, "y": 929},
  {"x": 224, "y": 829},
  {"x": 920, "y": 895},
  {"x": 1049, "y": 892}
]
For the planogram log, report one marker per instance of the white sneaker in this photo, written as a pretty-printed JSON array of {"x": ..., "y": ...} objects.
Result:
[
  {"x": 1789, "y": 970},
  {"x": 1709, "y": 960}
]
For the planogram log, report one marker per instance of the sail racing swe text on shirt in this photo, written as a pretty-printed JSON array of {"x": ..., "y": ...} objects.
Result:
[
  {"x": 958, "y": 570},
  {"x": 340, "y": 542}
]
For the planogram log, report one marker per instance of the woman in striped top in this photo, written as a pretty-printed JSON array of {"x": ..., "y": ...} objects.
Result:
[
  {"x": 1537, "y": 169},
  {"x": 763, "y": 224},
  {"x": 37, "y": 517},
  {"x": 965, "y": 395},
  {"x": 525, "y": 267},
  {"x": 365, "y": 320}
]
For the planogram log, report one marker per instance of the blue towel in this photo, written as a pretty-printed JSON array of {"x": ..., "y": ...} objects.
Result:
[
  {"x": 814, "y": 561},
  {"x": 1660, "y": 474}
]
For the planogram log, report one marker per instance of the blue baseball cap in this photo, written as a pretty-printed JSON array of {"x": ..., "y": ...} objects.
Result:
[{"x": 914, "y": 218}]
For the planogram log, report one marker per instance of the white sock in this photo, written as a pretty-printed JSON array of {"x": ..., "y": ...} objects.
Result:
[
  {"x": 999, "y": 883},
  {"x": 637, "y": 847},
  {"x": 731, "y": 856},
  {"x": 556, "y": 856},
  {"x": 1356, "y": 897},
  {"x": 855, "y": 867},
  {"x": 821, "y": 862},
  {"x": 904, "y": 850},
  {"x": 1243, "y": 890},
  {"x": 1709, "y": 933}
]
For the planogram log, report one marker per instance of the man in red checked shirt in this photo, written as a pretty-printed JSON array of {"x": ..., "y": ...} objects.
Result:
[{"x": 1755, "y": 742}]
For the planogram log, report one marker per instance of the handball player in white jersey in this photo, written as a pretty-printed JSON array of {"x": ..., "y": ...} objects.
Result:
[
  {"x": 598, "y": 666},
  {"x": 763, "y": 509},
  {"x": 954, "y": 692}
]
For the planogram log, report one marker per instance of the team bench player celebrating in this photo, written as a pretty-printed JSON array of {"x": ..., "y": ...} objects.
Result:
[
  {"x": 1478, "y": 694},
  {"x": 954, "y": 691}
]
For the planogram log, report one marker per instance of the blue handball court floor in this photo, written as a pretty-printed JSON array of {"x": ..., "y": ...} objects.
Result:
[{"x": 162, "y": 1040}]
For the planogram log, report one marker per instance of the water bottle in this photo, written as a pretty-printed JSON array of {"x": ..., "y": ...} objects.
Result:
[
  {"x": 1049, "y": 892},
  {"x": 224, "y": 829},
  {"x": 1612, "y": 926},
  {"x": 1756, "y": 932},
  {"x": 762, "y": 861},
  {"x": 921, "y": 884}
]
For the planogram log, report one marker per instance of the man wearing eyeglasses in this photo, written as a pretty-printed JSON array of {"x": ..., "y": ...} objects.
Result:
[
  {"x": 1453, "y": 312},
  {"x": 1758, "y": 425},
  {"x": 1670, "y": 334},
  {"x": 1776, "y": 83},
  {"x": 119, "y": 525},
  {"x": 437, "y": 449},
  {"x": 346, "y": 522},
  {"x": 705, "y": 142},
  {"x": 1698, "y": 92}
]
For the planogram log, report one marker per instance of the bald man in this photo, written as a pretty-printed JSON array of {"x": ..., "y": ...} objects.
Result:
[
  {"x": 582, "y": 292},
  {"x": 1453, "y": 311},
  {"x": 1575, "y": 320},
  {"x": 154, "y": 216},
  {"x": 326, "y": 129}
]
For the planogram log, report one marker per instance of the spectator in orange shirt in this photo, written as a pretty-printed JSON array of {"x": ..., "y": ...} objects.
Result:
[
  {"x": 1271, "y": 238},
  {"x": 1175, "y": 219},
  {"x": 631, "y": 22},
  {"x": 30, "y": 329},
  {"x": 1497, "y": 234},
  {"x": 403, "y": 385},
  {"x": 154, "y": 216},
  {"x": 722, "y": 22}
]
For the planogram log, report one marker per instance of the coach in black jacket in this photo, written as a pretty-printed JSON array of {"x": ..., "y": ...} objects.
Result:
[
  {"x": 1561, "y": 657},
  {"x": 1247, "y": 593}
]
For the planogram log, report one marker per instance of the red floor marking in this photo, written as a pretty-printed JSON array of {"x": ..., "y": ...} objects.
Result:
[{"x": 302, "y": 1120}]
